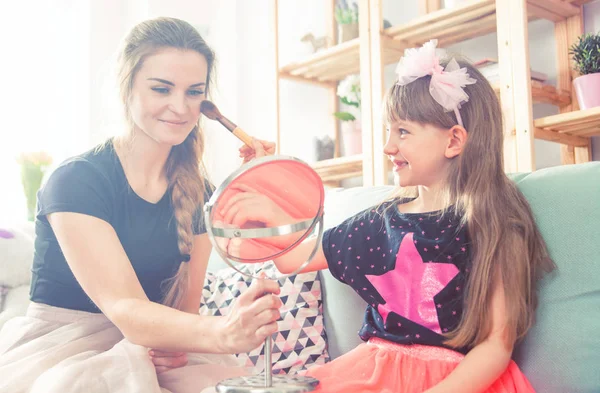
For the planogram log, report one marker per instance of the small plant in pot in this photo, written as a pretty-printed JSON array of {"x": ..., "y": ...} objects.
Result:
[
  {"x": 347, "y": 19},
  {"x": 349, "y": 92},
  {"x": 33, "y": 167},
  {"x": 586, "y": 58}
]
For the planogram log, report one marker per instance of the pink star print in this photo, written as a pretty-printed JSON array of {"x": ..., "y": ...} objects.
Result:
[{"x": 409, "y": 288}]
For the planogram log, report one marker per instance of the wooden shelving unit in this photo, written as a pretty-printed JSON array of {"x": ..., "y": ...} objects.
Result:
[
  {"x": 377, "y": 47},
  {"x": 581, "y": 123},
  {"x": 335, "y": 63}
]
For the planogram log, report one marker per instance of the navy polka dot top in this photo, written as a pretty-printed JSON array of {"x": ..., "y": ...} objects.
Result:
[{"x": 410, "y": 268}]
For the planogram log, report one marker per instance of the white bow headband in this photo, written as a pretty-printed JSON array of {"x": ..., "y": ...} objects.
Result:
[{"x": 446, "y": 86}]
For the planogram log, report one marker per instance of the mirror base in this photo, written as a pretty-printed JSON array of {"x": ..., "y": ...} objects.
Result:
[{"x": 256, "y": 384}]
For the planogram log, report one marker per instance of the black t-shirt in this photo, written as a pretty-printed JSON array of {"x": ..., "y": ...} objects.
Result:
[
  {"x": 410, "y": 268},
  {"x": 94, "y": 184}
]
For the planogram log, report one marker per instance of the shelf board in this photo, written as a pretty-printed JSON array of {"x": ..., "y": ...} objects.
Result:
[
  {"x": 570, "y": 127},
  {"x": 543, "y": 93},
  {"x": 451, "y": 25},
  {"x": 327, "y": 65},
  {"x": 554, "y": 10},
  {"x": 471, "y": 19},
  {"x": 578, "y": 2},
  {"x": 335, "y": 63},
  {"x": 548, "y": 94},
  {"x": 340, "y": 168}
]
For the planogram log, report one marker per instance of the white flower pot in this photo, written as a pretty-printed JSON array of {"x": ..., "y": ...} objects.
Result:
[
  {"x": 351, "y": 138},
  {"x": 587, "y": 90},
  {"x": 347, "y": 32}
]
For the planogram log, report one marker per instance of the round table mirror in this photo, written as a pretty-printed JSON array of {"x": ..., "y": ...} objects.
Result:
[{"x": 262, "y": 211}]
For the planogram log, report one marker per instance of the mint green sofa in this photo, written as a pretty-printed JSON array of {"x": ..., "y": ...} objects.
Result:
[{"x": 562, "y": 351}]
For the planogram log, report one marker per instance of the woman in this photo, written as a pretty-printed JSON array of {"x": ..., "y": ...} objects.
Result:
[{"x": 121, "y": 251}]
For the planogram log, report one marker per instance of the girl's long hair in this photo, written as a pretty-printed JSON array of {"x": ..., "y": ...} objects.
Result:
[{"x": 506, "y": 245}]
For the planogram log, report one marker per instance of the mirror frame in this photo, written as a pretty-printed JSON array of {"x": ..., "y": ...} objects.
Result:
[{"x": 308, "y": 225}]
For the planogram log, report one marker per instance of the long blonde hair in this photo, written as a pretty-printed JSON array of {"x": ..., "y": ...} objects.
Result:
[
  {"x": 506, "y": 243},
  {"x": 184, "y": 168}
]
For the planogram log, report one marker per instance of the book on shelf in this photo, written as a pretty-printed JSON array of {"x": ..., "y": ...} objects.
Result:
[{"x": 491, "y": 70}]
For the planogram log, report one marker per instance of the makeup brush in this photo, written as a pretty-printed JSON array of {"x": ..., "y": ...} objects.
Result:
[{"x": 211, "y": 111}]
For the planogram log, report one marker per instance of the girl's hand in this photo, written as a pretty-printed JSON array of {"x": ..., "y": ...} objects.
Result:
[
  {"x": 260, "y": 148},
  {"x": 253, "y": 317},
  {"x": 165, "y": 361},
  {"x": 249, "y": 205}
]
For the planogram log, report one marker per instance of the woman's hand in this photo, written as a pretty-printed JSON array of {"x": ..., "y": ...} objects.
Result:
[
  {"x": 253, "y": 317},
  {"x": 250, "y": 205},
  {"x": 165, "y": 361},
  {"x": 260, "y": 148}
]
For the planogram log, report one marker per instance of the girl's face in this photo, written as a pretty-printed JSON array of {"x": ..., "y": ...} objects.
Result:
[
  {"x": 420, "y": 153},
  {"x": 167, "y": 93}
]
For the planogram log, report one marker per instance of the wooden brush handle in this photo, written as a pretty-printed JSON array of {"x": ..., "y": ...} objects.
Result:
[{"x": 242, "y": 136}]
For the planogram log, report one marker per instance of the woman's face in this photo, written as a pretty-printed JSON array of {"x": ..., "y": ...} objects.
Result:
[{"x": 167, "y": 93}]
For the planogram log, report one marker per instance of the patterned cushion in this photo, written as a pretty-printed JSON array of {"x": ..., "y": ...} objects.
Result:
[{"x": 301, "y": 341}]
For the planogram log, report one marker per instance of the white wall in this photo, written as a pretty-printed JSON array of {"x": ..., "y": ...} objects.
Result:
[
  {"x": 45, "y": 102},
  {"x": 305, "y": 108}
]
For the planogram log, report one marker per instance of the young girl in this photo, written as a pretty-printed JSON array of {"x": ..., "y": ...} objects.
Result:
[
  {"x": 449, "y": 266},
  {"x": 121, "y": 251}
]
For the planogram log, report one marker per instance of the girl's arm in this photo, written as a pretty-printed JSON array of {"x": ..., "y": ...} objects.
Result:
[
  {"x": 289, "y": 262},
  {"x": 100, "y": 265},
  {"x": 487, "y": 360}
]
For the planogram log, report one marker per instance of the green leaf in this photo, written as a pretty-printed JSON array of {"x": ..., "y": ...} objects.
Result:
[
  {"x": 345, "y": 16},
  {"x": 348, "y": 102},
  {"x": 586, "y": 54},
  {"x": 344, "y": 116}
]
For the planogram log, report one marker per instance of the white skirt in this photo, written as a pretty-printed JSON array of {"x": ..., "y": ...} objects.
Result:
[{"x": 55, "y": 350}]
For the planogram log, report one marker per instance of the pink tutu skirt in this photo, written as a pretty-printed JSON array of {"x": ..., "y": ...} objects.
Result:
[{"x": 381, "y": 366}]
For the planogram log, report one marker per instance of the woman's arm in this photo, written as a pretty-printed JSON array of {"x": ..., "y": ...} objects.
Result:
[
  {"x": 165, "y": 360},
  {"x": 487, "y": 360},
  {"x": 100, "y": 265}
]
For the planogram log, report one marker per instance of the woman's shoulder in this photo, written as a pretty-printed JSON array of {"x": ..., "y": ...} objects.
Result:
[
  {"x": 93, "y": 172},
  {"x": 84, "y": 183},
  {"x": 98, "y": 163}
]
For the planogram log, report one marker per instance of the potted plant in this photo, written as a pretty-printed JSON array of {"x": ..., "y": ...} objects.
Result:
[
  {"x": 347, "y": 19},
  {"x": 33, "y": 167},
  {"x": 349, "y": 92},
  {"x": 586, "y": 58}
]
